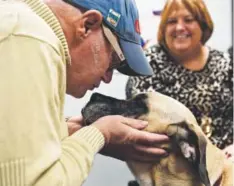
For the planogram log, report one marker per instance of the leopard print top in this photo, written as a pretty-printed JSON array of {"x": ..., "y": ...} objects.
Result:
[{"x": 207, "y": 93}]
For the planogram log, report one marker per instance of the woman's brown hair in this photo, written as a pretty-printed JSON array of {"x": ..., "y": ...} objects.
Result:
[{"x": 197, "y": 8}]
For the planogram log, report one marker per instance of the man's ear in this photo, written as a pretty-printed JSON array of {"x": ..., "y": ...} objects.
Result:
[
  {"x": 90, "y": 20},
  {"x": 192, "y": 144}
]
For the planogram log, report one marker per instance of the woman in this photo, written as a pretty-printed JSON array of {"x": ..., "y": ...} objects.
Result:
[{"x": 191, "y": 72}]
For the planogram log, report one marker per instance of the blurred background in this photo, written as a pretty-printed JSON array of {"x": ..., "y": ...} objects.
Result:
[{"x": 107, "y": 171}]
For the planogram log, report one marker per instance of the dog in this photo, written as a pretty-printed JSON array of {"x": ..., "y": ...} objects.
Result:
[{"x": 193, "y": 160}]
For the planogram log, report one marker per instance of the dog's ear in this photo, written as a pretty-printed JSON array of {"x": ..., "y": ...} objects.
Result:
[{"x": 192, "y": 144}]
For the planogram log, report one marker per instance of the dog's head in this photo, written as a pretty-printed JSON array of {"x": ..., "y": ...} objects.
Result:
[{"x": 165, "y": 115}]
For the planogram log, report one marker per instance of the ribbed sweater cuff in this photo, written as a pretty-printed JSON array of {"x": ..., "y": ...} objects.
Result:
[
  {"x": 12, "y": 173},
  {"x": 92, "y": 136}
]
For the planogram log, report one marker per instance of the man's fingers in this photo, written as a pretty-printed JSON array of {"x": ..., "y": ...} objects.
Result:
[
  {"x": 143, "y": 137},
  {"x": 150, "y": 150},
  {"x": 135, "y": 123},
  {"x": 76, "y": 119},
  {"x": 147, "y": 138},
  {"x": 73, "y": 127},
  {"x": 134, "y": 152}
]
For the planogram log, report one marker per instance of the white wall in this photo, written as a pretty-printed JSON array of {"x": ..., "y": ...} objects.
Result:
[{"x": 110, "y": 172}]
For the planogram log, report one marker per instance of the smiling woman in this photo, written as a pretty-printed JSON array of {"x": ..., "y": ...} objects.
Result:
[
  {"x": 184, "y": 29},
  {"x": 186, "y": 69},
  {"x": 182, "y": 33}
]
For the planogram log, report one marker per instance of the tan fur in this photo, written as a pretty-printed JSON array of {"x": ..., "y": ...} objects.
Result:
[{"x": 175, "y": 170}]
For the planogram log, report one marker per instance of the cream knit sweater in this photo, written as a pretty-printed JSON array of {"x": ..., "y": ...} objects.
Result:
[{"x": 35, "y": 148}]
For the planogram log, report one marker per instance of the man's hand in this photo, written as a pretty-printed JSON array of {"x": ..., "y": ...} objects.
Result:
[
  {"x": 129, "y": 152},
  {"x": 74, "y": 123},
  {"x": 125, "y": 139}
]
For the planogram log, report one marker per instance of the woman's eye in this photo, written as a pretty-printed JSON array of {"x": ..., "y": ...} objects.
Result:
[
  {"x": 189, "y": 20},
  {"x": 171, "y": 21}
]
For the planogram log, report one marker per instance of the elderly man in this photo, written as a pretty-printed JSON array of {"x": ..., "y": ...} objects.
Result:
[{"x": 52, "y": 48}]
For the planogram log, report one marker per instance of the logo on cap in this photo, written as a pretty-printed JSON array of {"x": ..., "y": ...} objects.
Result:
[{"x": 113, "y": 17}]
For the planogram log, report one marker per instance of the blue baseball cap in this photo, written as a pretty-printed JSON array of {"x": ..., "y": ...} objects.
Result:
[{"x": 121, "y": 17}]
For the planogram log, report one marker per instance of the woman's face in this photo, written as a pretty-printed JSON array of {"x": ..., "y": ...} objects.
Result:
[{"x": 183, "y": 33}]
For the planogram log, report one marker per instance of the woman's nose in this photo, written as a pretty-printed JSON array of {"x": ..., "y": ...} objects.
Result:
[
  {"x": 180, "y": 25},
  {"x": 107, "y": 76}
]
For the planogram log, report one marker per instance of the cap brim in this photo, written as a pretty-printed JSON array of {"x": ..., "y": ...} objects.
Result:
[{"x": 137, "y": 63}]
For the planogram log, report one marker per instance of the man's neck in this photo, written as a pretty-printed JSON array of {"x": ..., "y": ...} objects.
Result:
[{"x": 67, "y": 15}]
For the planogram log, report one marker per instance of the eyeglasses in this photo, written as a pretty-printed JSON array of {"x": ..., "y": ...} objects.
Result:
[
  {"x": 115, "y": 62},
  {"x": 117, "y": 55}
]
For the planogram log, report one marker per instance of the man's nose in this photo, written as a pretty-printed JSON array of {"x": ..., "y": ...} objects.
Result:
[{"x": 107, "y": 76}]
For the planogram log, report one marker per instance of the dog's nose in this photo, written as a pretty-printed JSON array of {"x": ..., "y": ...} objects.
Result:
[
  {"x": 133, "y": 183},
  {"x": 95, "y": 96}
]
